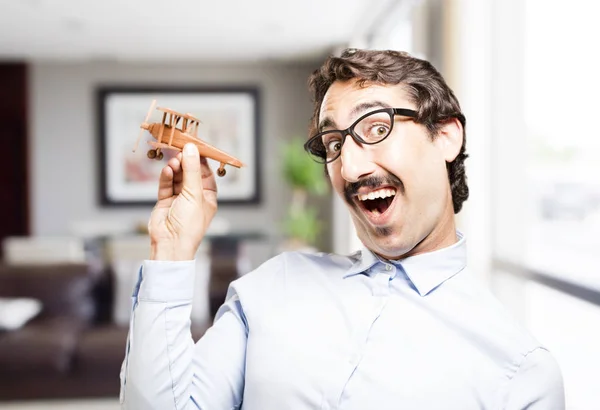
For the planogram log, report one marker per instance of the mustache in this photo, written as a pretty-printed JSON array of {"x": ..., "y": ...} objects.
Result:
[{"x": 372, "y": 182}]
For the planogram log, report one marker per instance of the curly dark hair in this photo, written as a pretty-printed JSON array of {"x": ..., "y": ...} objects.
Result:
[{"x": 426, "y": 88}]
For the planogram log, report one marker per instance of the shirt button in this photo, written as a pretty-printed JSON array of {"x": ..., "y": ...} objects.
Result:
[{"x": 388, "y": 267}]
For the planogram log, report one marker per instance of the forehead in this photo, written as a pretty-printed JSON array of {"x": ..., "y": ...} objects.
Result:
[{"x": 343, "y": 96}]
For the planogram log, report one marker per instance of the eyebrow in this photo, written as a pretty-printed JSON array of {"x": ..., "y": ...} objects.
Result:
[{"x": 359, "y": 109}]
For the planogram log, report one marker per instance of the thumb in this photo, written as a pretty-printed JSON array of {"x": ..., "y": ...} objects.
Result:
[{"x": 192, "y": 176}]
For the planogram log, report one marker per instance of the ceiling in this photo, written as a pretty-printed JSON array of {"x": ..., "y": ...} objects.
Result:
[{"x": 150, "y": 30}]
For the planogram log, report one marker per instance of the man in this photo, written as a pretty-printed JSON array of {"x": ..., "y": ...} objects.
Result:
[{"x": 400, "y": 325}]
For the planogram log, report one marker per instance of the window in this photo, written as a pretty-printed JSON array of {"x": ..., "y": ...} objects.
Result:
[
  {"x": 546, "y": 180},
  {"x": 561, "y": 92}
]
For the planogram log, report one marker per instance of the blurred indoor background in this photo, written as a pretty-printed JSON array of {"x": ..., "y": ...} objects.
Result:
[{"x": 76, "y": 81}]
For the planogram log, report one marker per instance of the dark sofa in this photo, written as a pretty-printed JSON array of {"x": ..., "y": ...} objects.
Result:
[{"x": 71, "y": 349}]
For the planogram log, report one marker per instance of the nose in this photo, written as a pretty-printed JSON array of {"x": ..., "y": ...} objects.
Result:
[{"x": 355, "y": 160}]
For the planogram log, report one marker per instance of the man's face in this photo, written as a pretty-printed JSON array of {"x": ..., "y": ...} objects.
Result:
[{"x": 397, "y": 190}]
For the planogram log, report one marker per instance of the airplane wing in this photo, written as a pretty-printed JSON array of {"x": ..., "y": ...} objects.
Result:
[
  {"x": 212, "y": 152},
  {"x": 209, "y": 151},
  {"x": 191, "y": 117},
  {"x": 163, "y": 146},
  {"x": 168, "y": 110},
  {"x": 206, "y": 150},
  {"x": 178, "y": 114}
]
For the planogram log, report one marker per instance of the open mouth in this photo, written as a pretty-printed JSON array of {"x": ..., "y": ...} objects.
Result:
[{"x": 378, "y": 201}]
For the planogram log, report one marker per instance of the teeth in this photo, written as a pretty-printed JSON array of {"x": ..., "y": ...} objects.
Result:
[{"x": 380, "y": 193}]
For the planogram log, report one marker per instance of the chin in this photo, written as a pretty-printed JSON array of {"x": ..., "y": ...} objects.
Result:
[
  {"x": 393, "y": 252},
  {"x": 386, "y": 241}
]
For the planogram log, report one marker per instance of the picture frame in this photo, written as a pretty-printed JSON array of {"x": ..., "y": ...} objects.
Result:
[{"x": 230, "y": 122}]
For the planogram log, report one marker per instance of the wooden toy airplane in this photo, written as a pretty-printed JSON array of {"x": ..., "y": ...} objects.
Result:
[{"x": 176, "y": 137}]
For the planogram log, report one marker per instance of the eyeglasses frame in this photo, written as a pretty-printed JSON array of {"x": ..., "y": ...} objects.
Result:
[{"x": 405, "y": 112}]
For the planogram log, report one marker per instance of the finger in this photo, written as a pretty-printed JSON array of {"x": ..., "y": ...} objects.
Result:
[
  {"x": 178, "y": 178},
  {"x": 208, "y": 177},
  {"x": 175, "y": 164},
  {"x": 178, "y": 175},
  {"x": 177, "y": 183},
  {"x": 165, "y": 183},
  {"x": 192, "y": 177}
]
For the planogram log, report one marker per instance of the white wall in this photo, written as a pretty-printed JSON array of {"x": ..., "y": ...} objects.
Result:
[
  {"x": 63, "y": 157},
  {"x": 468, "y": 57},
  {"x": 454, "y": 35}
]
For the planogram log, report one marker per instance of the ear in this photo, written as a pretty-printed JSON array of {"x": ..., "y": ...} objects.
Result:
[{"x": 450, "y": 138}]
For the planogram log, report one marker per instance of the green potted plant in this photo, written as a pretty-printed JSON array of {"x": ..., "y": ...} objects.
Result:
[{"x": 301, "y": 225}]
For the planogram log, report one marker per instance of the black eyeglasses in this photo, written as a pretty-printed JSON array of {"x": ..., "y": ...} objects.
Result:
[{"x": 371, "y": 128}]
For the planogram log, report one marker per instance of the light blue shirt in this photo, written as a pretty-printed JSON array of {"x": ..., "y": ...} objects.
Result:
[{"x": 320, "y": 331}]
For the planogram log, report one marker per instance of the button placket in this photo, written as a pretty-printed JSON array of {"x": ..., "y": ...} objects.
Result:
[
  {"x": 382, "y": 278},
  {"x": 380, "y": 287}
]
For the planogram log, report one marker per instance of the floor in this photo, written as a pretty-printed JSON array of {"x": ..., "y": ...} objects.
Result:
[{"x": 100, "y": 404}]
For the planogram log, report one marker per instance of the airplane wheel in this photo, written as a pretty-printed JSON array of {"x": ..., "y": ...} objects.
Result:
[
  {"x": 221, "y": 172},
  {"x": 151, "y": 154},
  {"x": 160, "y": 156}
]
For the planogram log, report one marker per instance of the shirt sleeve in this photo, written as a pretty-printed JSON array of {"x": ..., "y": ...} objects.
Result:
[
  {"x": 537, "y": 384},
  {"x": 163, "y": 368}
]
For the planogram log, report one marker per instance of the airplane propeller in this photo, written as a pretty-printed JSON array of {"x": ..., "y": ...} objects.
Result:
[{"x": 145, "y": 124}]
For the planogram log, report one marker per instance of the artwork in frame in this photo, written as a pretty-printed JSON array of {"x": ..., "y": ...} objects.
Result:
[{"x": 229, "y": 121}]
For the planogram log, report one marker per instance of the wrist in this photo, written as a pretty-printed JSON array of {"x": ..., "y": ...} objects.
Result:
[{"x": 170, "y": 252}]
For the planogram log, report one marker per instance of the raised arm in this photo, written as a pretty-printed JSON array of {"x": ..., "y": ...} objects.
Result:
[{"x": 163, "y": 369}]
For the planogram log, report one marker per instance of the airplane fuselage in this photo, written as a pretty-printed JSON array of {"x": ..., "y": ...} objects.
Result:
[{"x": 179, "y": 139}]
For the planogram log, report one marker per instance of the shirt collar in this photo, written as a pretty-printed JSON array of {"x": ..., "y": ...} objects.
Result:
[
  {"x": 363, "y": 260},
  {"x": 426, "y": 271}
]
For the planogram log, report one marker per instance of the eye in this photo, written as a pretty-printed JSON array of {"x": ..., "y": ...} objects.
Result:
[
  {"x": 378, "y": 131},
  {"x": 334, "y": 146},
  {"x": 374, "y": 127},
  {"x": 381, "y": 130},
  {"x": 332, "y": 142}
]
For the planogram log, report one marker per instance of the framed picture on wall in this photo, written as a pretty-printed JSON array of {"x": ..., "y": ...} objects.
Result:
[{"x": 229, "y": 121}]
